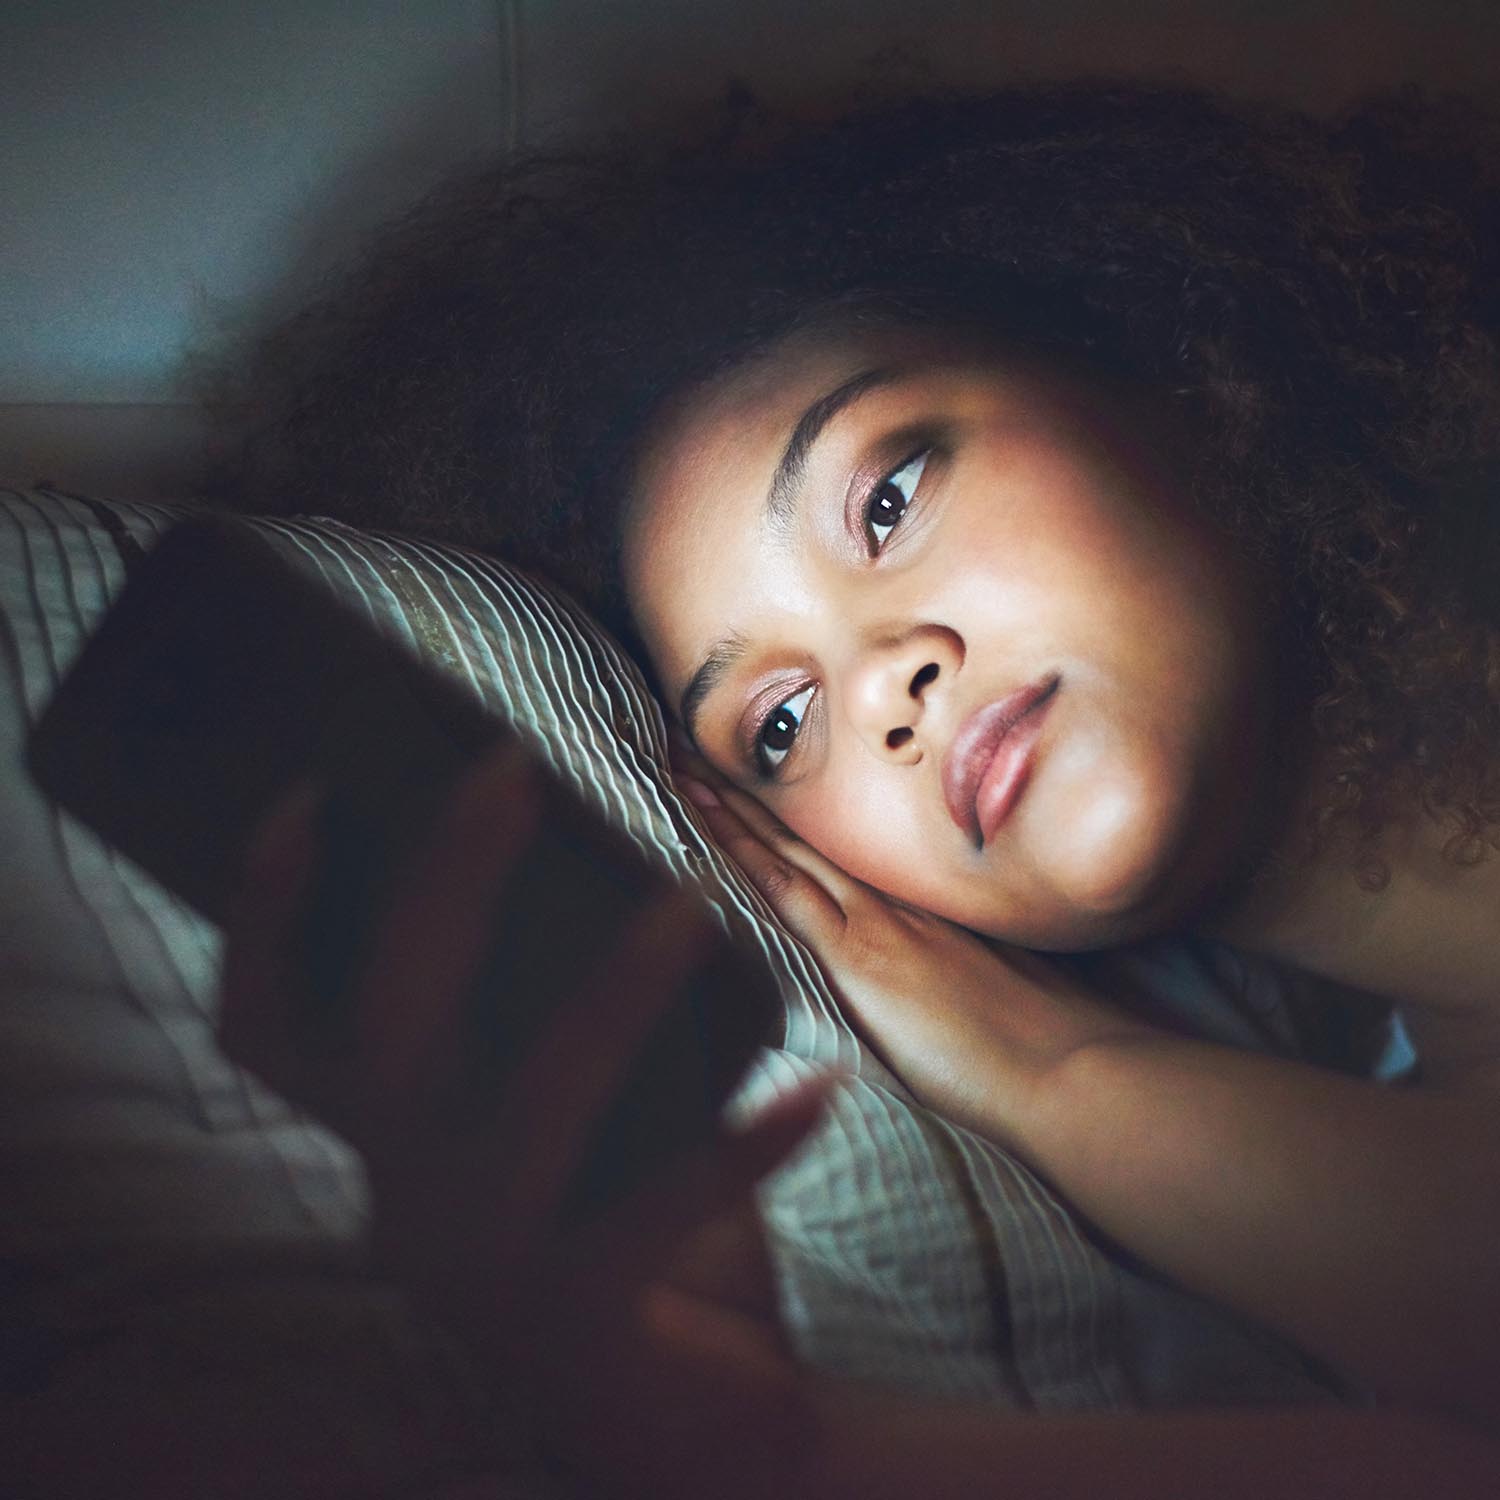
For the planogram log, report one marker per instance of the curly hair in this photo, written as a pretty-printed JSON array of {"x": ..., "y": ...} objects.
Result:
[{"x": 1319, "y": 300}]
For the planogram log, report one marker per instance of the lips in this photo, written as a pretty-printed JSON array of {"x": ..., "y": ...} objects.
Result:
[{"x": 986, "y": 766}]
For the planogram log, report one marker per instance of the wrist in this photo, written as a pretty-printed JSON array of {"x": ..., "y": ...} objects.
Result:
[
  {"x": 1040, "y": 1042},
  {"x": 1060, "y": 1113}
]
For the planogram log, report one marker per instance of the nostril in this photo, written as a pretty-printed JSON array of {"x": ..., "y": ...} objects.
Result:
[
  {"x": 927, "y": 675},
  {"x": 897, "y": 738}
]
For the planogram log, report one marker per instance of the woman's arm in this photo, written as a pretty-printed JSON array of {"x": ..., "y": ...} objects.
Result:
[
  {"x": 1362, "y": 1222},
  {"x": 628, "y": 1343}
]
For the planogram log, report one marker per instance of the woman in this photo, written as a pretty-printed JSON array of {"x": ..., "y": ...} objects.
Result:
[{"x": 1085, "y": 502}]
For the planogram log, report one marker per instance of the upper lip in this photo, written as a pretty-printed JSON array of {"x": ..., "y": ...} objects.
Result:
[{"x": 974, "y": 746}]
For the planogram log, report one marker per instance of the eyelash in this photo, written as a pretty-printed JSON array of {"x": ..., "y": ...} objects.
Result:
[
  {"x": 767, "y": 768},
  {"x": 910, "y": 470},
  {"x": 911, "y": 467}
]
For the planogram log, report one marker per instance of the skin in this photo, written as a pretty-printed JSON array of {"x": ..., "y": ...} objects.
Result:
[
  {"x": 1048, "y": 534},
  {"x": 624, "y": 1354},
  {"x": 1050, "y": 537},
  {"x": 1168, "y": 779}
]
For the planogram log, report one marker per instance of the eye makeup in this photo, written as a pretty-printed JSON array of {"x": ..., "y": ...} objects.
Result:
[
  {"x": 900, "y": 467},
  {"x": 894, "y": 470}
]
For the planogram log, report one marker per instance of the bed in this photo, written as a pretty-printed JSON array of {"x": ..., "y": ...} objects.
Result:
[{"x": 185, "y": 1306}]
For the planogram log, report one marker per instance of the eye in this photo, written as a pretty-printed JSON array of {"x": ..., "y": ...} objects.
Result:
[
  {"x": 888, "y": 504},
  {"x": 778, "y": 731}
]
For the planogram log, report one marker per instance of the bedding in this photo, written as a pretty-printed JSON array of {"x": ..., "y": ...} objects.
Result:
[{"x": 176, "y": 1245}]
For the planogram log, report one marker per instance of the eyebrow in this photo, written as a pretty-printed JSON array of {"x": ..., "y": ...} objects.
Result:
[
  {"x": 793, "y": 463},
  {"x": 714, "y": 668},
  {"x": 780, "y": 499}
]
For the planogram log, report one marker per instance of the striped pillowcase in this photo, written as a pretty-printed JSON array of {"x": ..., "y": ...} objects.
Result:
[{"x": 909, "y": 1252}]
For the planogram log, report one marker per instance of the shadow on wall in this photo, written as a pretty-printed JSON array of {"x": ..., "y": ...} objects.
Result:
[
  {"x": 600, "y": 64},
  {"x": 173, "y": 173},
  {"x": 588, "y": 68},
  {"x": 356, "y": 118}
]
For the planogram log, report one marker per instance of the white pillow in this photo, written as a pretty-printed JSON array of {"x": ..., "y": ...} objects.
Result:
[{"x": 909, "y": 1252}]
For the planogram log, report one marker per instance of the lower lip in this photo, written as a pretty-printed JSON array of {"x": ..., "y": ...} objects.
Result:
[{"x": 1006, "y": 775}]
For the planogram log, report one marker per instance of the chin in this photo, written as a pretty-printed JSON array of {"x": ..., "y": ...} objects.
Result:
[{"x": 1126, "y": 866}]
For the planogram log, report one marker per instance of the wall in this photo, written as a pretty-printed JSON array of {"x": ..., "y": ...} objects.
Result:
[{"x": 174, "y": 175}]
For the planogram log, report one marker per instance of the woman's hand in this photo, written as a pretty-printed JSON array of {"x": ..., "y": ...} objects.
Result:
[
  {"x": 641, "y": 1338},
  {"x": 1309, "y": 1201},
  {"x": 645, "y": 1339},
  {"x": 976, "y": 1032}
]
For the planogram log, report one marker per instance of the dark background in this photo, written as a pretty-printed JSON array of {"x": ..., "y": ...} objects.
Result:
[{"x": 175, "y": 175}]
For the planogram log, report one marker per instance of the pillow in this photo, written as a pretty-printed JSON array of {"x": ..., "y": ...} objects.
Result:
[{"x": 908, "y": 1251}]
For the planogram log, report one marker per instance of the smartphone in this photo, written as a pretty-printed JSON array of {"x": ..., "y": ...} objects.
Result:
[{"x": 221, "y": 675}]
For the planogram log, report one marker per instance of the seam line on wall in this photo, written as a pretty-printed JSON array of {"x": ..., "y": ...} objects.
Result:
[{"x": 509, "y": 19}]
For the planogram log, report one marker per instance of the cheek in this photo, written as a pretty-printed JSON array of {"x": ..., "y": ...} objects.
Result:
[
  {"x": 1054, "y": 538},
  {"x": 1110, "y": 813},
  {"x": 867, "y": 824},
  {"x": 1142, "y": 804}
]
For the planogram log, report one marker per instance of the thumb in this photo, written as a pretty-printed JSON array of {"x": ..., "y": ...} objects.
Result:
[{"x": 638, "y": 1238}]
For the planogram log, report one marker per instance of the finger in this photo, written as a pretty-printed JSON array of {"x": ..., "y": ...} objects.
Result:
[
  {"x": 641, "y": 1235},
  {"x": 726, "y": 1262},
  {"x": 685, "y": 759},
  {"x": 772, "y": 832},
  {"x": 261, "y": 986},
  {"x": 564, "y": 1083},
  {"x": 798, "y": 884},
  {"x": 437, "y": 928},
  {"x": 765, "y": 1142},
  {"x": 709, "y": 790}
]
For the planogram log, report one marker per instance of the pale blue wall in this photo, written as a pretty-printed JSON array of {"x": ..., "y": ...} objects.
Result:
[
  {"x": 167, "y": 167},
  {"x": 175, "y": 170}
]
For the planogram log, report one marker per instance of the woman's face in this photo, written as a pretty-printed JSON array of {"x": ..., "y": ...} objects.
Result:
[{"x": 950, "y": 617}]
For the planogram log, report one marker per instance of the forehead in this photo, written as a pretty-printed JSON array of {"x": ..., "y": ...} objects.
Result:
[
  {"x": 736, "y": 425},
  {"x": 750, "y": 408},
  {"x": 703, "y": 475},
  {"x": 697, "y": 558}
]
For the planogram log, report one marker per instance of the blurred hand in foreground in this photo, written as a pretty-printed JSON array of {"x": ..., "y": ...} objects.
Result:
[{"x": 642, "y": 1342}]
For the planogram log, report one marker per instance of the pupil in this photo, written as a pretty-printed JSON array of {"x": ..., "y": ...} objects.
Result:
[
  {"x": 888, "y": 505},
  {"x": 780, "y": 730}
]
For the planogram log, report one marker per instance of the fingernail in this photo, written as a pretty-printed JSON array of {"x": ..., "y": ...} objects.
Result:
[{"x": 697, "y": 792}]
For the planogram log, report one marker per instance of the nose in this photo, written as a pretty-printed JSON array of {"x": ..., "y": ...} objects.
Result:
[{"x": 891, "y": 685}]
